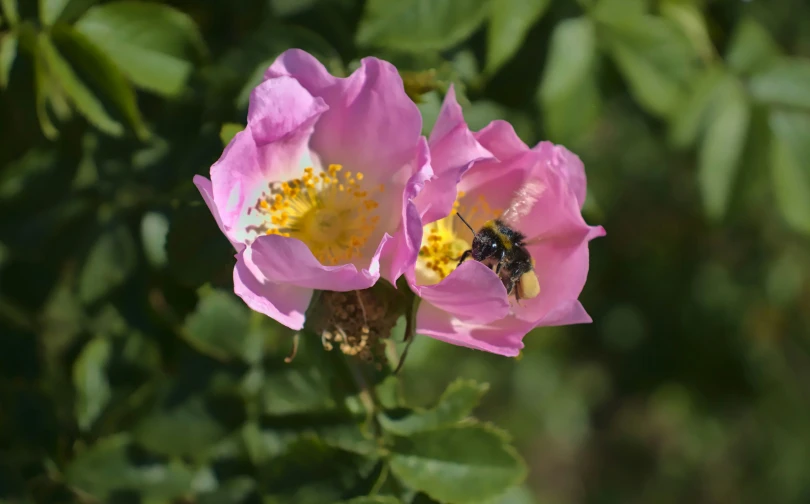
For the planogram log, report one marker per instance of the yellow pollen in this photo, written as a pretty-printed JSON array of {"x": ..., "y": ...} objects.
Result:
[{"x": 317, "y": 208}]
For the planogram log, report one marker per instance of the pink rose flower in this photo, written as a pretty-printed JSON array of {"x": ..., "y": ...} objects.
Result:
[
  {"x": 316, "y": 192},
  {"x": 481, "y": 175}
]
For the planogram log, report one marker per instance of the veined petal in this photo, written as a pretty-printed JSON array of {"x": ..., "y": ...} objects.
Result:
[{"x": 568, "y": 164}]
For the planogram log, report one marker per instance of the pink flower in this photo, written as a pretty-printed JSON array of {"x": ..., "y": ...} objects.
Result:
[
  {"x": 316, "y": 192},
  {"x": 481, "y": 175}
]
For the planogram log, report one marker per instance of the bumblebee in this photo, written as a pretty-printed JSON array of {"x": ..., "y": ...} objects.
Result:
[{"x": 503, "y": 248}]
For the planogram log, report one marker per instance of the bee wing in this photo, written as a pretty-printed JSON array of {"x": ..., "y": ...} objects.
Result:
[{"x": 522, "y": 203}]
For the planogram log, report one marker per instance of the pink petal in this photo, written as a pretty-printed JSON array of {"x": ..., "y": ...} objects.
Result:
[
  {"x": 568, "y": 165},
  {"x": 566, "y": 313},
  {"x": 289, "y": 261},
  {"x": 453, "y": 150},
  {"x": 284, "y": 303},
  {"x": 371, "y": 126},
  {"x": 502, "y": 337},
  {"x": 207, "y": 192},
  {"x": 499, "y": 138},
  {"x": 472, "y": 292},
  {"x": 401, "y": 251}
]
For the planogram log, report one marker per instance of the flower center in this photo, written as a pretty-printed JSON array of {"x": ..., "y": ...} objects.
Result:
[
  {"x": 442, "y": 242},
  {"x": 332, "y": 212}
]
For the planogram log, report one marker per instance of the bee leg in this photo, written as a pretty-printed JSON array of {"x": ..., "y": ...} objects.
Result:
[{"x": 464, "y": 256}]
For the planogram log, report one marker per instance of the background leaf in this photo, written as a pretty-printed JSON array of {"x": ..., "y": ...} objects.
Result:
[
  {"x": 109, "y": 263},
  {"x": 8, "y": 51},
  {"x": 790, "y": 173},
  {"x": 784, "y": 83},
  {"x": 90, "y": 380},
  {"x": 722, "y": 147},
  {"x": 752, "y": 48},
  {"x": 509, "y": 22},
  {"x": 151, "y": 43},
  {"x": 419, "y": 25},
  {"x": 457, "y": 464},
  {"x": 219, "y": 325},
  {"x": 50, "y": 10}
]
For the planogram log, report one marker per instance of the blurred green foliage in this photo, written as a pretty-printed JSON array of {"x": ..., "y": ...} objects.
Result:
[{"x": 129, "y": 372}]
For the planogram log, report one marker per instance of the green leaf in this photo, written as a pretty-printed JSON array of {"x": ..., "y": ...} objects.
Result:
[
  {"x": 42, "y": 82},
  {"x": 655, "y": 58},
  {"x": 463, "y": 464},
  {"x": 689, "y": 17},
  {"x": 420, "y": 25},
  {"x": 8, "y": 52},
  {"x": 219, "y": 325},
  {"x": 10, "y": 12},
  {"x": 233, "y": 491},
  {"x": 108, "y": 264},
  {"x": 90, "y": 380},
  {"x": 790, "y": 148},
  {"x": 154, "y": 228},
  {"x": 568, "y": 94},
  {"x": 50, "y": 10},
  {"x": 82, "y": 98},
  {"x": 228, "y": 131},
  {"x": 185, "y": 430},
  {"x": 509, "y": 22},
  {"x": 106, "y": 467},
  {"x": 785, "y": 83},
  {"x": 689, "y": 120},
  {"x": 84, "y": 55},
  {"x": 284, "y": 8},
  {"x": 150, "y": 42},
  {"x": 380, "y": 499},
  {"x": 751, "y": 48},
  {"x": 456, "y": 404},
  {"x": 722, "y": 147}
]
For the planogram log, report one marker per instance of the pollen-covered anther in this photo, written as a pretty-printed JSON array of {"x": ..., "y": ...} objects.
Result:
[{"x": 334, "y": 215}]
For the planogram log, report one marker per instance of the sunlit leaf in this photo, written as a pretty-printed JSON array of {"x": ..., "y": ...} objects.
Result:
[
  {"x": 790, "y": 173},
  {"x": 107, "y": 466},
  {"x": 751, "y": 48},
  {"x": 457, "y": 464},
  {"x": 722, "y": 146},
  {"x": 108, "y": 264},
  {"x": 689, "y": 120},
  {"x": 456, "y": 404},
  {"x": 419, "y": 25},
  {"x": 219, "y": 325},
  {"x": 568, "y": 93},
  {"x": 90, "y": 380},
  {"x": 655, "y": 58},
  {"x": 153, "y": 44},
  {"x": 50, "y": 10},
  {"x": 784, "y": 83},
  {"x": 509, "y": 22},
  {"x": 79, "y": 94},
  {"x": 84, "y": 55},
  {"x": 154, "y": 228},
  {"x": 689, "y": 17},
  {"x": 8, "y": 52},
  {"x": 10, "y": 11}
]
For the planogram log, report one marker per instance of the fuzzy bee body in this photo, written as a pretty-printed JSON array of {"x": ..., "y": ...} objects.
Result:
[{"x": 503, "y": 249}]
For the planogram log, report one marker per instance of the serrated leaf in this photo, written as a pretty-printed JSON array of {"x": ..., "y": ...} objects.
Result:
[
  {"x": 8, "y": 52},
  {"x": 108, "y": 264},
  {"x": 690, "y": 118},
  {"x": 751, "y": 48},
  {"x": 509, "y": 22},
  {"x": 219, "y": 325},
  {"x": 228, "y": 131},
  {"x": 722, "y": 146},
  {"x": 655, "y": 58},
  {"x": 456, "y": 403},
  {"x": 568, "y": 94},
  {"x": 790, "y": 174},
  {"x": 50, "y": 10},
  {"x": 106, "y": 467},
  {"x": 79, "y": 94},
  {"x": 84, "y": 55},
  {"x": 420, "y": 25},
  {"x": 785, "y": 83},
  {"x": 151, "y": 43},
  {"x": 90, "y": 380},
  {"x": 10, "y": 12},
  {"x": 463, "y": 464}
]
